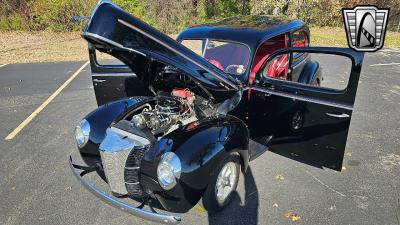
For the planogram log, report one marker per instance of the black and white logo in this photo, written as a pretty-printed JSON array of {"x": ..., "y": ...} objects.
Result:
[{"x": 365, "y": 27}]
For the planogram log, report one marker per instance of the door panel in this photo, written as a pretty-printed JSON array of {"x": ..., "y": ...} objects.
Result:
[
  {"x": 308, "y": 123},
  {"x": 113, "y": 81}
]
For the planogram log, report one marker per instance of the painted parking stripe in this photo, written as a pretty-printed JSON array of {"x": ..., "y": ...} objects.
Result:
[
  {"x": 2, "y": 65},
  {"x": 44, "y": 104},
  {"x": 385, "y": 64}
]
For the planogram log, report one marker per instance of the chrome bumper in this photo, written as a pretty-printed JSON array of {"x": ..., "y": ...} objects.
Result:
[{"x": 136, "y": 211}]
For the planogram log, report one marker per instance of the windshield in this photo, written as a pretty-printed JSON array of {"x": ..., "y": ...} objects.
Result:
[{"x": 230, "y": 57}]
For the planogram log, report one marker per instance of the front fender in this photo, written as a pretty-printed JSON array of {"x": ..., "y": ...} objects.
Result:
[
  {"x": 200, "y": 146},
  {"x": 101, "y": 118}
]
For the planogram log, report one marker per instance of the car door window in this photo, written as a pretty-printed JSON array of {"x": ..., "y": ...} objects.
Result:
[
  {"x": 310, "y": 69},
  {"x": 194, "y": 45}
]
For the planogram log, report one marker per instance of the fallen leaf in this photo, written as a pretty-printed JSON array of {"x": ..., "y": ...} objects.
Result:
[
  {"x": 200, "y": 209},
  {"x": 348, "y": 154},
  {"x": 279, "y": 177},
  {"x": 292, "y": 216},
  {"x": 275, "y": 205}
]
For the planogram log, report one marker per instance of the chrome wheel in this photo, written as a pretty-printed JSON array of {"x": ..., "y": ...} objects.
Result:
[{"x": 226, "y": 181}]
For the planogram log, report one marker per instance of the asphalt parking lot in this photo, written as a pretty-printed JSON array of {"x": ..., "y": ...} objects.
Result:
[{"x": 37, "y": 187}]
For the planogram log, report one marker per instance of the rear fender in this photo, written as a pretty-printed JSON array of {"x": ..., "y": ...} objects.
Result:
[{"x": 310, "y": 72}]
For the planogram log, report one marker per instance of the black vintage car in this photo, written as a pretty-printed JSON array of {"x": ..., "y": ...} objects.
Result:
[{"x": 180, "y": 118}]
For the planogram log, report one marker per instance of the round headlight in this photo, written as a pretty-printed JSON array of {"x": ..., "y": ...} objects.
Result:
[
  {"x": 168, "y": 170},
  {"x": 82, "y": 133}
]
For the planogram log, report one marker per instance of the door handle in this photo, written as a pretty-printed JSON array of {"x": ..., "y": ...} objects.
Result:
[
  {"x": 338, "y": 115},
  {"x": 98, "y": 81}
]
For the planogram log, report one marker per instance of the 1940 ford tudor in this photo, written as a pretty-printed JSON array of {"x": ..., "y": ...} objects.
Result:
[{"x": 180, "y": 119}]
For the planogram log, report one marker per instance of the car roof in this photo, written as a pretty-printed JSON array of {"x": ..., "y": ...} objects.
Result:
[{"x": 250, "y": 29}]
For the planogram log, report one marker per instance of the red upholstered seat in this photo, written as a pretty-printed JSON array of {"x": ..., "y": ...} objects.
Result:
[
  {"x": 216, "y": 63},
  {"x": 277, "y": 68}
]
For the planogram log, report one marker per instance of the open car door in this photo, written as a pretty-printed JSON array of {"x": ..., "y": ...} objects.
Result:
[
  {"x": 311, "y": 116},
  {"x": 112, "y": 81}
]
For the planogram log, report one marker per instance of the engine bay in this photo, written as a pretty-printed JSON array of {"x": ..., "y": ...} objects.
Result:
[{"x": 171, "y": 111}]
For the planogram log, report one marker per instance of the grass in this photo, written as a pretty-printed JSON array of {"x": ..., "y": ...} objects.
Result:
[
  {"x": 27, "y": 47},
  {"x": 336, "y": 36}
]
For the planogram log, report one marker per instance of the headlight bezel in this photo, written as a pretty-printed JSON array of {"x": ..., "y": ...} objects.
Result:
[
  {"x": 83, "y": 131},
  {"x": 169, "y": 170}
]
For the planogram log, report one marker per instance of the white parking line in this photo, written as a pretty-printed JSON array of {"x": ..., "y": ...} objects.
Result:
[
  {"x": 385, "y": 64},
  {"x": 2, "y": 65},
  {"x": 44, "y": 104}
]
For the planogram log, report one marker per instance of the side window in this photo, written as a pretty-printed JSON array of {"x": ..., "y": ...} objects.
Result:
[
  {"x": 105, "y": 59},
  {"x": 312, "y": 69},
  {"x": 299, "y": 39},
  {"x": 194, "y": 45}
]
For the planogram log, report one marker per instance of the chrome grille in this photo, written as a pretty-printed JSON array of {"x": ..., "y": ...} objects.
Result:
[
  {"x": 117, "y": 147},
  {"x": 132, "y": 167}
]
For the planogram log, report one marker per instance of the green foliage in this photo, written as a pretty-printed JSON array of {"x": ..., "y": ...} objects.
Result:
[
  {"x": 57, "y": 15},
  {"x": 171, "y": 16}
]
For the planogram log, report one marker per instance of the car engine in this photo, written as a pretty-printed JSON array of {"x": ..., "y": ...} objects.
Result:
[{"x": 168, "y": 113}]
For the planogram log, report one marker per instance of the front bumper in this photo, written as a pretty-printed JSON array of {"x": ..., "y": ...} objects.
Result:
[{"x": 80, "y": 171}]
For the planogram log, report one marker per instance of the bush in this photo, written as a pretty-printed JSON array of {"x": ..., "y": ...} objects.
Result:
[{"x": 172, "y": 16}]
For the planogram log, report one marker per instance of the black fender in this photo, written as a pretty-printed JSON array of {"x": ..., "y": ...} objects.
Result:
[
  {"x": 310, "y": 72},
  {"x": 101, "y": 118},
  {"x": 200, "y": 147}
]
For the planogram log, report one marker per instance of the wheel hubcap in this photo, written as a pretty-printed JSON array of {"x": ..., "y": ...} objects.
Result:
[{"x": 225, "y": 182}]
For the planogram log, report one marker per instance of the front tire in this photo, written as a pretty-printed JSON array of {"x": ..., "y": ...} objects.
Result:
[{"x": 224, "y": 182}]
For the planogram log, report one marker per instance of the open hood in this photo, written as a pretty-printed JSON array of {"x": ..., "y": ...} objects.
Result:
[{"x": 135, "y": 43}]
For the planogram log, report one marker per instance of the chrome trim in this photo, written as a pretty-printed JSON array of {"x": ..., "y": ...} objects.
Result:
[
  {"x": 132, "y": 168},
  {"x": 112, "y": 42},
  {"x": 114, "y": 152},
  {"x": 174, "y": 163},
  {"x": 341, "y": 115},
  {"x": 113, "y": 75},
  {"x": 98, "y": 81},
  {"x": 136, "y": 211},
  {"x": 84, "y": 127},
  {"x": 136, "y": 139},
  {"x": 303, "y": 98},
  {"x": 234, "y": 86}
]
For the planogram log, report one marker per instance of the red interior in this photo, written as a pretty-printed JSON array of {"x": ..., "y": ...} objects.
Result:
[
  {"x": 262, "y": 54},
  {"x": 265, "y": 50},
  {"x": 228, "y": 54},
  {"x": 278, "y": 67},
  {"x": 216, "y": 63}
]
